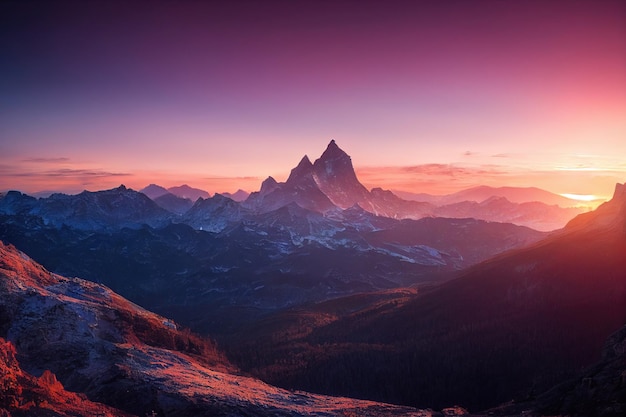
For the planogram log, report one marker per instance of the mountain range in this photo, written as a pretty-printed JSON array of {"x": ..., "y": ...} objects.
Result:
[
  {"x": 330, "y": 183},
  {"x": 221, "y": 264},
  {"x": 533, "y": 315},
  {"x": 326, "y": 185},
  {"x": 483, "y": 192},
  {"x": 315, "y": 284}
]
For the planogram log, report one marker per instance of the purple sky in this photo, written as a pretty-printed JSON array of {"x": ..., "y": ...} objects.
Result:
[{"x": 528, "y": 93}]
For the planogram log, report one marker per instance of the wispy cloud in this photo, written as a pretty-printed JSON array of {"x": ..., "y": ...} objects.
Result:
[
  {"x": 13, "y": 177},
  {"x": 450, "y": 170},
  {"x": 432, "y": 178},
  {"x": 68, "y": 173},
  {"x": 218, "y": 178},
  {"x": 46, "y": 160}
]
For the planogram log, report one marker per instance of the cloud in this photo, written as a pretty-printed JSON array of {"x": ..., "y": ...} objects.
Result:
[
  {"x": 501, "y": 155},
  {"x": 432, "y": 178},
  {"x": 46, "y": 160},
  {"x": 450, "y": 170},
  {"x": 70, "y": 173},
  {"x": 20, "y": 177},
  {"x": 218, "y": 178}
]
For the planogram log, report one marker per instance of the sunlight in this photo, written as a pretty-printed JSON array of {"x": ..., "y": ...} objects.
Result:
[{"x": 582, "y": 197}]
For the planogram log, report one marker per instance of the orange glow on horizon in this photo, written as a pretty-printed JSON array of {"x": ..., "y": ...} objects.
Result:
[
  {"x": 582, "y": 197},
  {"x": 581, "y": 185}
]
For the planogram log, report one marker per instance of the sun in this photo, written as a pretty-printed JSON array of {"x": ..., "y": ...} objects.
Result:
[{"x": 582, "y": 197}]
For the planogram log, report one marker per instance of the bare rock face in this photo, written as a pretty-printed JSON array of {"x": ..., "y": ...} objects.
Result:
[{"x": 335, "y": 176}]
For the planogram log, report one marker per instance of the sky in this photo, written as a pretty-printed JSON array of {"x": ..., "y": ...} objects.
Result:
[{"x": 425, "y": 96}]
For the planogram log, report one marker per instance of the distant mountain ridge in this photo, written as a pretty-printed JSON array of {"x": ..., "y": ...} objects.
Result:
[
  {"x": 330, "y": 183},
  {"x": 185, "y": 191},
  {"x": 154, "y": 191},
  {"x": 484, "y": 192},
  {"x": 239, "y": 195},
  {"x": 99, "y": 210}
]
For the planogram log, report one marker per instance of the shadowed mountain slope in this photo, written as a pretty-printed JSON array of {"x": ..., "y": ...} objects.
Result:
[{"x": 518, "y": 323}]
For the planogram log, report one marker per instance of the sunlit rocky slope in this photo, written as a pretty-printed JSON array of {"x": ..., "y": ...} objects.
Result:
[{"x": 97, "y": 343}]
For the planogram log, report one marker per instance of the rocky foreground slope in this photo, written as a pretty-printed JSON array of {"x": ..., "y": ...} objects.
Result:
[
  {"x": 117, "y": 353},
  {"x": 22, "y": 394}
]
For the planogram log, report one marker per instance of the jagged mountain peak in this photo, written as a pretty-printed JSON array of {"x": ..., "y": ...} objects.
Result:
[
  {"x": 215, "y": 201},
  {"x": 334, "y": 174},
  {"x": 214, "y": 214},
  {"x": 221, "y": 197},
  {"x": 305, "y": 161},
  {"x": 113, "y": 191},
  {"x": 304, "y": 169},
  {"x": 334, "y": 148},
  {"x": 268, "y": 185},
  {"x": 239, "y": 195},
  {"x": 334, "y": 154}
]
